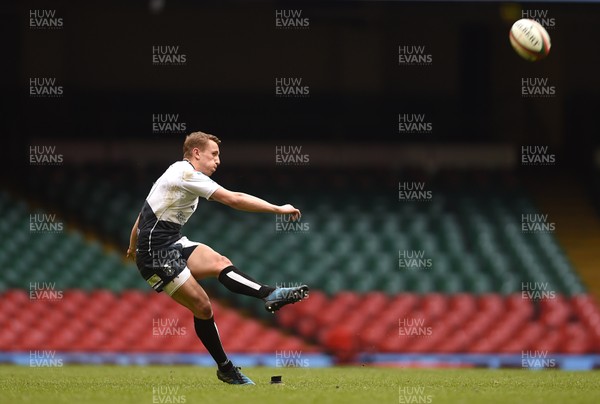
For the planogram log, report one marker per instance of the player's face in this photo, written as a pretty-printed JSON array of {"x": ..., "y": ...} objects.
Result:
[{"x": 208, "y": 159}]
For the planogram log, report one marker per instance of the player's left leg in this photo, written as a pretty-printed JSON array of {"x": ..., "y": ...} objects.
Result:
[{"x": 186, "y": 291}]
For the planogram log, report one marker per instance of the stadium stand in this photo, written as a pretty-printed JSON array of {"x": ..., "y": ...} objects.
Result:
[
  {"x": 131, "y": 321},
  {"x": 471, "y": 232},
  {"x": 468, "y": 292}
]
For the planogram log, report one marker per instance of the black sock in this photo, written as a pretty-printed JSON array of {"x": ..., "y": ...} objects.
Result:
[
  {"x": 239, "y": 282},
  {"x": 209, "y": 335}
]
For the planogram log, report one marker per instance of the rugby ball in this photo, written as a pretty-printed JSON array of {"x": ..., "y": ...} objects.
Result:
[{"x": 530, "y": 39}]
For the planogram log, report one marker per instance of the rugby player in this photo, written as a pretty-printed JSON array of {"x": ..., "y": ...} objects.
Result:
[{"x": 170, "y": 262}]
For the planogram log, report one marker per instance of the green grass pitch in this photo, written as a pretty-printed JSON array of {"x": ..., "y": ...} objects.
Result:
[{"x": 186, "y": 384}]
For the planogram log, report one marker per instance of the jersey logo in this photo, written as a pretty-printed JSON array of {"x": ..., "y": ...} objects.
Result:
[
  {"x": 155, "y": 282},
  {"x": 168, "y": 270},
  {"x": 180, "y": 216}
]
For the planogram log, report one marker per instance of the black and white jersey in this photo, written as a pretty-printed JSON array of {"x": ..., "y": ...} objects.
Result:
[{"x": 170, "y": 203}]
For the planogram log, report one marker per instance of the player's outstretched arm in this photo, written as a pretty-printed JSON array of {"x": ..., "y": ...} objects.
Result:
[
  {"x": 249, "y": 203},
  {"x": 133, "y": 239}
]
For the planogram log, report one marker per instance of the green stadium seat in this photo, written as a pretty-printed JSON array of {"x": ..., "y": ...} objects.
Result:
[{"x": 473, "y": 236}]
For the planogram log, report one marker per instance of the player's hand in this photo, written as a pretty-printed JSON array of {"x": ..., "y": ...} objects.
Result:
[
  {"x": 290, "y": 210},
  {"x": 130, "y": 253}
]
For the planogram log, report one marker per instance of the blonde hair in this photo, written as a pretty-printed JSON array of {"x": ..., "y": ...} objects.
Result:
[{"x": 197, "y": 140}]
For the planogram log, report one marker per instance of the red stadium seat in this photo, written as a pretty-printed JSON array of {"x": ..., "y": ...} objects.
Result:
[
  {"x": 266, "y": 341},
  {"x": 434, "y": 305},
  {"x": 550, "y": 342},
  {"x": 351, "y": 323}
]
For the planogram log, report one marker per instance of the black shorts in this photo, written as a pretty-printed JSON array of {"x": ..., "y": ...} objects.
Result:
[{"x": 160, "y": 267}]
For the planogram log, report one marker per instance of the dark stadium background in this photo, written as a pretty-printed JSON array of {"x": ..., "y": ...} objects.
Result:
[
  {"x": 348, "y": 125},
  {"x": 348, "y": 57}
]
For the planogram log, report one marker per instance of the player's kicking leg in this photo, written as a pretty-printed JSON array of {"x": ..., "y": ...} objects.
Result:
[
  {"x": 282, "y": 296},
  {"x": 205, "y": 262}
]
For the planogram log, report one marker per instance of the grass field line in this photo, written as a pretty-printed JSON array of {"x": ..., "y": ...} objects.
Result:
[{"x": 188, "y": 384}]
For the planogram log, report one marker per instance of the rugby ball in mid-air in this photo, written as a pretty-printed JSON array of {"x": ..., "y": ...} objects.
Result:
[{"x": 530, "y": 40}]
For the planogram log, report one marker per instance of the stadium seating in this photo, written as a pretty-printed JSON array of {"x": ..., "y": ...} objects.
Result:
[
  {"x": 131, "y": 321},
  {"x": 470, "y": 229},
  {"x": 439, "y": 323},
  {"x": 469, "y": 299},
  {"x": 64, "y": 256}
]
